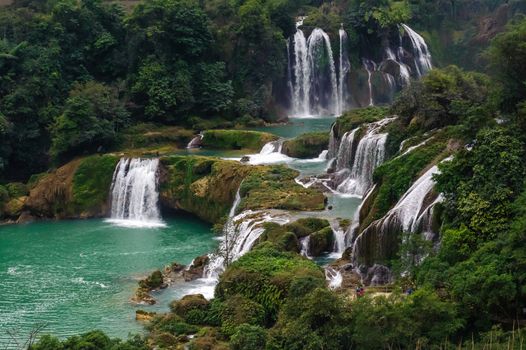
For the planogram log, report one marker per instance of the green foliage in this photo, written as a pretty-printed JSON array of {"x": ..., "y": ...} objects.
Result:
[
  {"x": 92, "y": 116},
  {"x": 355, "y": 118},
  {"x": 236, "y": 139},
  {"x": 264, "y": 276},
  {"x": 316, "y": 320},
  {"x": 280, "y": 237},
  {"x": 396, "y": 322},
  {"x": 321, "y": 241},
  {"x": 506, "y": 57},
  {"x": 480, "y": 184},
  {"x": 237, "y": 311},
  {"x": 92, "y": 182},
  {"x": 16, "y": 189},
  {"x": 307, "y": 145},
  {"x": 248, "y": 337},
  {"x": 446, "y": 96},
  {"x": 396, "y": 176},
  {"x": 91, "y": 340},
  {"x": 305, "y": 226}
]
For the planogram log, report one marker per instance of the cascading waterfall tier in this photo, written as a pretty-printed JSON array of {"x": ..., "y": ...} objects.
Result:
[
  {"x": 240, "y": 233},
  {"x": 411, "y": 214},
  {"x": 421, "y": 53},
  {"x": 134, "y": 193},
  {"x": 364, "y": 155}
]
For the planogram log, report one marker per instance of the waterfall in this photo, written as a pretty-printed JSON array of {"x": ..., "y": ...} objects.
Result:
[
  {"x": 270, "y": 154},
  {"x": 420, "y": 51},
  {"x": 134, "y": 193},
  {"x": 345, "y": 153},
  {"x": 319, "y": 44},
  {"x": 302, "y": 76},
  {"x": 311, "y": 93},
  {"x": 196, "y": 141},
  {"x": 345, "y": 67},
  {"x": 369, "y": 153},
  {"x": 305, "y": 246},
  {"x": 411, "y": 214},
  {"x": 240, "y": 233},
  {"x": 339, "y": 239},
  {"x": 370, "y": 67},
  {"x": 334, "y": 277}
]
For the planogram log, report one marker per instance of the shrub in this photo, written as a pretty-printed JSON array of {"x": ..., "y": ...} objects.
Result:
[
  {"x": 238, "y": 310},
  {"x": 248, "y": 337}
]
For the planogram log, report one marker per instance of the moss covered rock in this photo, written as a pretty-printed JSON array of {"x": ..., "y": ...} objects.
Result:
[
  {"x": 80, "y": 188},
  {"x": 14, "y": 207},
  {"x": 308, "y": 145},
  {"x": 305, "y": 226},
  {"x": 280, "y": 237},
  {"x": 189, "y": 304},
  {"x": 236, "y": 139},
  {"x": 321, "y": 241},
  {"x": 151, "y": 135},
  {"x": 207, "y": 186}
]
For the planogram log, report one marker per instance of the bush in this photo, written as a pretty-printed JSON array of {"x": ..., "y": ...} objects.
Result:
[
  {"x": 236, "y": 139},
  {"x": 193, "y": 306},
  {"x": 264, "y": 276},
  {"x": 17, "y": 189},
  {"x": 238, "y": 310},
  {"x": 248, "y": 337}
]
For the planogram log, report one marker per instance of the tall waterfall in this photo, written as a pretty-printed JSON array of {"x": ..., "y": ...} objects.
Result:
[
  {"x": 369, "y": 153},
  {"x": 313, "y": 80},
  {"x": 412, "y": 214},
  {"x": 344, "y": 68},
  {"x": 302, "y": 76},
  {"x": 420, "y": 51},
  {"x": 134, "y": 193}
]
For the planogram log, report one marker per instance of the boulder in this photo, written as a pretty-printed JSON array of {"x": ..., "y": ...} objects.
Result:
[
  {"x": 321, "y": 241},
  {"x": 13, "y": 208},
  {"x": 196, "y": 269},
  {"x": 188, "y": 303}
]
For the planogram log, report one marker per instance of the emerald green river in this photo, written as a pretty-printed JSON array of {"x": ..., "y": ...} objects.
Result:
[{"x": 79, "y": 275}]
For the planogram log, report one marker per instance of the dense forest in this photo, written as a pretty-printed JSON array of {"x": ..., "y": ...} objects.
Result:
[{"x": 77, "y": 75}]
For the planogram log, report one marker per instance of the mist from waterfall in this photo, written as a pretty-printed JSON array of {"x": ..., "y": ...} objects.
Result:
[{"x": 134, "y": 193}]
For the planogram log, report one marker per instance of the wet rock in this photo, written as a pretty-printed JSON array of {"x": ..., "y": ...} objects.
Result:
[
  {"x": 321, "y": 241},
  {"x": 141, "y": 315},
  {"x": 25, "y": 217},
  {"x": 196, "y": 269},
  {"x": 245, "y": 159},
  {"x": 377, "y": 275},
  {"x": 14, "y": 207},
  {"x": 188, "y": 303}
]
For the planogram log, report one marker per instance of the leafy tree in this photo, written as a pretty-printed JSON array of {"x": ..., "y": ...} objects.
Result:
[
  {"x": 507, "y": 54},
  {"x": 92, "y": 116},
  {"x": 446, "y": 96},
  {"x": 480, "y": 184}
]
